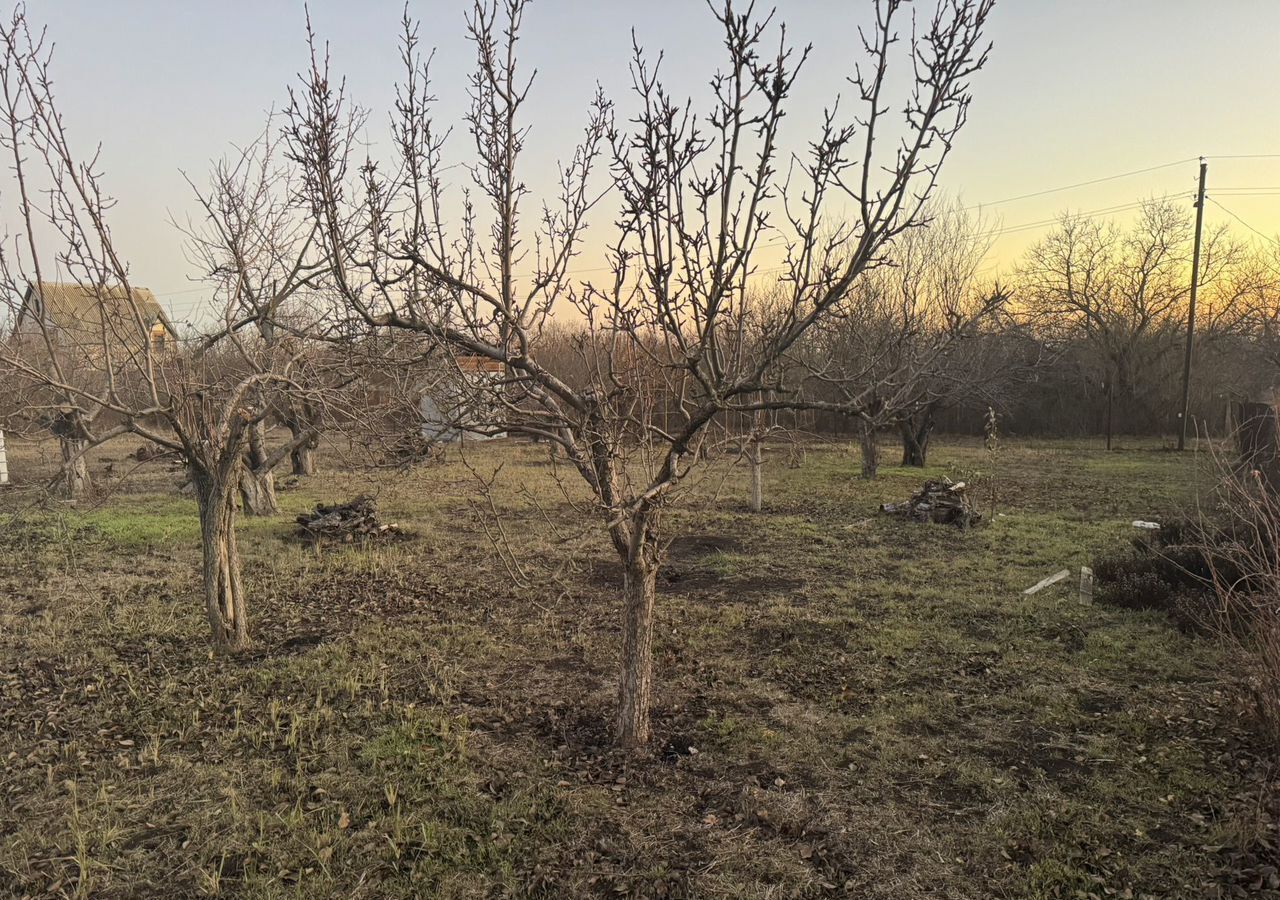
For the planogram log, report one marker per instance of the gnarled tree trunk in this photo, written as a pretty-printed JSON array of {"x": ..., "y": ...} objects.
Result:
[
  {"x": 870, "y": 451},
  {"x": 302, "y": 420},
  {"x": 303, "y": 455},
  {"x": 223, "y": 590},
  {"x": 75, "y": 481},
  {"x": 257, "y": 482}
]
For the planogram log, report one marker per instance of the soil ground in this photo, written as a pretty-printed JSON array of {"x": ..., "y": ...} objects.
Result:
[{"x": 847, "y": 704}]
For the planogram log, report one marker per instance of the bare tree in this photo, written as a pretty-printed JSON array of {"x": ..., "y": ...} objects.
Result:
[
  {"x": 662, "y": 352},
  {"x": 256, "y": 248},
  {"x": 1119, "y": 296},
  {"x": 914, "y": 339},
  {"x": 937, "y": 280},
  {"x": 201, "y": 401}
]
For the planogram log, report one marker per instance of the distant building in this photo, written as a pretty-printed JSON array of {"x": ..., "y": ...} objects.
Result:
[
  {"x": 89, "y": 317},
  {"x": 452, "y": 405}
]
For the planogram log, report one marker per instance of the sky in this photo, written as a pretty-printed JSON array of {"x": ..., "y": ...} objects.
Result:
[{"x": 1074, "y": 92}]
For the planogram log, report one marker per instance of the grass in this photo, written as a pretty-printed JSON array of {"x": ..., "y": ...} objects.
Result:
[{"x": 848, "y": 704}]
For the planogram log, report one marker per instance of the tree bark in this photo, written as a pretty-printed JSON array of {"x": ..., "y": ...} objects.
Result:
[
  {"x": 303, "y": 459},
  {"x": 75, "y": 468},
  {"x": 257, "y": 481},
  {"x": 870, "y": 451},
  {"x": 635, "y": 684},
  {"x": 223, "y": 590}
]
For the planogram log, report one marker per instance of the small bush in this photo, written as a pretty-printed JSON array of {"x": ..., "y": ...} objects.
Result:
[
  {"x": 1164, "y": 571},
  {"x": 1134, "y": 587}
]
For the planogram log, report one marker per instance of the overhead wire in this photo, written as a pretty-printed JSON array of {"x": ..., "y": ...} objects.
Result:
[
  {"x": 1239, "y": 191},
  {"x": 1243, "y": 222}
]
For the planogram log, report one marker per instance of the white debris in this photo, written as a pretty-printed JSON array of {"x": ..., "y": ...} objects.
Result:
[
  {"x": 1045, "y": 582},
  {"x": 1086, "y": 584},
  {"x": 1152, "y": 526}
]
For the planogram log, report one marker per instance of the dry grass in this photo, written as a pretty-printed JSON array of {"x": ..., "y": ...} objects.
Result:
[{"x": 877, "y": 710}]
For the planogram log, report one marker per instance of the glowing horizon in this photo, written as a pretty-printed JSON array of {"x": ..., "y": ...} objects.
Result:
[{"x": 1072, "y": 93}]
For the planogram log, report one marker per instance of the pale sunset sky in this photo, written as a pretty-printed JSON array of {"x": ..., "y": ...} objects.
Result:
[{"x": 1074, "y": 91}]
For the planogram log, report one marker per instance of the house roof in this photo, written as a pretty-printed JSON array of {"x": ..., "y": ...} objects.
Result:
[
  {"x": 477, "y": 364},
  {"x": 87, "y": 308}
]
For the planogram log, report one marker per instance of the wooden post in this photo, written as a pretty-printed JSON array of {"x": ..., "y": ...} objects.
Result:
[
  {"x": 1086, "y": 584},
  {"x": 4, "y": 462},
  {"x": 1110, "y": 391},
  {"x": 757, "y": 475}
]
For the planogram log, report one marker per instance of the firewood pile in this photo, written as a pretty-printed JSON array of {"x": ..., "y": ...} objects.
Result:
[
  {"x": 346, "y": 523},
  {"x": 943, "y": 501}
]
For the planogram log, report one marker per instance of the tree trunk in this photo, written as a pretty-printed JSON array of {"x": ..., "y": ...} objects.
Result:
[
  {"x": 303, "y": 456},
  {"x": 757, "y": 475},
  {"x": 257, "y": 482},
  {"x": 870, "y": 451},
  {"x": 75, "y": 468},
  {"x": 303, "y": 459},
  {"x": 258, "y": 492},
  {"x": 916, "y": 432},
  {"x": 635, "y": 683},
  {"x": 223, "y": 591}
]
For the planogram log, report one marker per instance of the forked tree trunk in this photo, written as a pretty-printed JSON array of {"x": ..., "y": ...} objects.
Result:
[
  {"x": 257, "y": 482},
  {"x": 870, "y": 451},
  {"x": 635, "y": 683},
  {"x": 916, "y": 433},
  {"x": 75, "y": 468},
  {"x": 223, "y": 590}
]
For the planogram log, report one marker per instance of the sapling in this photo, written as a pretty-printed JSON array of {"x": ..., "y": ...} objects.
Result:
[{"x": 991, "y": 441}]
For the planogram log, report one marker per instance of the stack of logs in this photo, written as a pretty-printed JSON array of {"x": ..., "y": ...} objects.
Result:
[
  {"x": 345, "y": 523},
  {"x": 942, "y": 501}
]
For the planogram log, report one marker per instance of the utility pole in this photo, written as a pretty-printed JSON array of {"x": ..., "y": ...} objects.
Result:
[{"x": 1191, "y": 312}]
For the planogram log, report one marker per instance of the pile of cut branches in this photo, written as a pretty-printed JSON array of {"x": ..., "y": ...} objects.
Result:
[
  {"x": 942, "y": 501},
  {"x": 355, "y": 521}
]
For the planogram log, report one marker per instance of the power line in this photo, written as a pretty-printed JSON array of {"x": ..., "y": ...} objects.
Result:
[
  {"x": 1078, "y": 184},
  {"x": 1093, "y": 213},
  {"x": 1241, "y": 191},
  {"x": 1243, "y": 222}
]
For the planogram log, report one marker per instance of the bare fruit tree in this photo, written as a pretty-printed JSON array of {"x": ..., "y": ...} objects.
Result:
[
  {"x": 664, "y": 348},
  {"x": 200, "y": 398},
  {"x": 256, "y": 248},
  {"x": 915, "y": 337}
]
